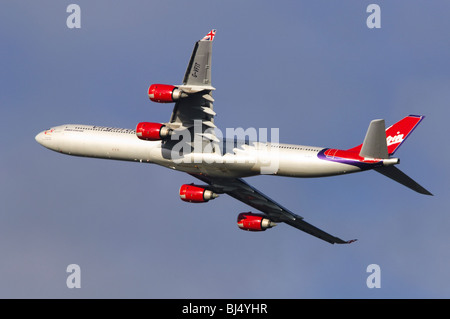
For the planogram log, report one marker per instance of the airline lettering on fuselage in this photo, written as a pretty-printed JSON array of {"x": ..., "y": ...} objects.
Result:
[{"x": 100, "y": 129}]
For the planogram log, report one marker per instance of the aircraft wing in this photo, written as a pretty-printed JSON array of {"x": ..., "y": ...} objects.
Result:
[
  {"x": 239, "y": 189},
  {"x": 198, "y": 105}
]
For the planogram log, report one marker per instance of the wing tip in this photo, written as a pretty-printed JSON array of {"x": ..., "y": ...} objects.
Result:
[
  {"x": 210, "y": 36},
  {"x": 346, "y": 242}
]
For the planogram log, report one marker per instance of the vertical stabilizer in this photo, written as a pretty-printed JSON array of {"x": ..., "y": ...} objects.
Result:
[
  {"x": 397, "y": 133},
  {"x": 394, "y": 136},
  {"x": 381, "y": 143}
]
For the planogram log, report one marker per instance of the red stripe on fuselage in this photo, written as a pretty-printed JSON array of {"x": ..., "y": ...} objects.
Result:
[
  {"x": 348, "y": 155},
  {"x": 349, "y": 158}
]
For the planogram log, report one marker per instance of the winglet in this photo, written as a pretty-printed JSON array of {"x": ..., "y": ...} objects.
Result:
[
  {"x": 340, "y": 241},
  {"x": 198, "y": 73},
  {"x": 210, "y": 36}
]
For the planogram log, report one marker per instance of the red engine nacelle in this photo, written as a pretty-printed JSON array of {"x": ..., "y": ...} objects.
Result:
[
  {"x": 195, "y": 194},
  {"x": 152, "y": 131},
  {"x": 164, "y": 93},
  {"x": 254, "y": 222}
]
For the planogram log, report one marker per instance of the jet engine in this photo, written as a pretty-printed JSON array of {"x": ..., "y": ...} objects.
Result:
[
  {"x": 196, "y": 194},
  {"x": 254, "y": 222},
  {"x": 164, "y": 93},
  {"x": 152, "y": 131}
]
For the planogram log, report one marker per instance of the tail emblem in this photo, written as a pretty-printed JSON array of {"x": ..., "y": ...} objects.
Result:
[{"x": 390, "y": 140}]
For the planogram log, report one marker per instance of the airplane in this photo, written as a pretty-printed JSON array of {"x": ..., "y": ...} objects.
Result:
[{"x": 190, "y": 142}]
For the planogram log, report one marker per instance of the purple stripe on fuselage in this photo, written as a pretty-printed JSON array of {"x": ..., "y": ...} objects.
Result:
[{"x": 363, "y": 166}]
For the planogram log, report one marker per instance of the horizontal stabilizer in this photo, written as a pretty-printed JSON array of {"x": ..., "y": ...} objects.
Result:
[
  {"x": 400, "y": 177},
  {"x": 375, "y": 144}
]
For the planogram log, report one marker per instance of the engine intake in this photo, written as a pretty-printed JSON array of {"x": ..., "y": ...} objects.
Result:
[
  {"x": 152, "y": 131},
  {"x": 164, "y": 93},
  {"x": 254, "y": 222},
  {"x": 196, "y": 194}
]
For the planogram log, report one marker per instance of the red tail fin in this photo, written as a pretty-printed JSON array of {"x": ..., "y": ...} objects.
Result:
[{"x": 397, "y": 133}]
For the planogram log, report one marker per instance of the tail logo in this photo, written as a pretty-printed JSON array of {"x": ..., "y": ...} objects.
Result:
[{"x": 390, "y": 140}]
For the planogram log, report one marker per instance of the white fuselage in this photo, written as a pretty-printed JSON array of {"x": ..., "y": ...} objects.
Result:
[{"x": 245, "y": 159}]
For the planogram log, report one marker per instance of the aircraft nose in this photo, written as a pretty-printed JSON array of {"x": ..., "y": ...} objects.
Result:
[
  {"x": 39, "y": 137},
  {"x": 45, "y": 138}
]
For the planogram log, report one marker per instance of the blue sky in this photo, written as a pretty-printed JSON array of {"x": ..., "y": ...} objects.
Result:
[{"x": 311, "y": 68}]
